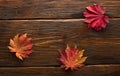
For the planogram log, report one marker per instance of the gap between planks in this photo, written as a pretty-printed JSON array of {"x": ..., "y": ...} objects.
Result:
[
  {"x": 50, "y": 20},
  {"x": 58, "y": 66}
]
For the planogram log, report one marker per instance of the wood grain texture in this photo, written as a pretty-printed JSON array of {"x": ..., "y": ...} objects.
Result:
[
  {"x": 35, "y": 9},
  {"x": 50, "y": 35},
  {"x": 52, "y": 24},
  {"x": 91, "y": 70}
]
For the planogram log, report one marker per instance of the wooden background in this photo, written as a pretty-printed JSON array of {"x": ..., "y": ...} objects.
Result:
[{"x": 52, "y": 24}]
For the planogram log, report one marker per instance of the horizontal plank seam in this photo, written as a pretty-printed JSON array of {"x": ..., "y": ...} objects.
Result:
[
  {"x": 50, "y": 18},
  {"x": 58, "y": 66},
  {"x": 55, "y": 20}
]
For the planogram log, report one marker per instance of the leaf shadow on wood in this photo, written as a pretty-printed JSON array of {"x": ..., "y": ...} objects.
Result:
[{"x": 77, "y": 15}]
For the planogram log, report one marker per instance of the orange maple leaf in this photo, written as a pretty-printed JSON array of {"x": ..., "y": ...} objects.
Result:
[
  {"x": 72, "y": 58},
  {"x": 21, "y": 45}
]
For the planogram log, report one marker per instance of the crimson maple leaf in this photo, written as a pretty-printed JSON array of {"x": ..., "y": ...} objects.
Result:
[{"x": 95, "y": 17}]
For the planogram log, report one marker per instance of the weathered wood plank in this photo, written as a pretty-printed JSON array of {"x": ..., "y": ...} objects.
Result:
[
  {"x": 50, "y": 35},
  {"x": 30, "y": 9},
  {"x": 56, "y": 28},
  {"x": 90, "y": 70}
]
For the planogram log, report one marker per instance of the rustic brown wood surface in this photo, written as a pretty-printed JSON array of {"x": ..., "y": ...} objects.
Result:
[
  {"x": 51, "y": 35},
  {"x": 91, "y": 70},
  {"x": 26, "y": 9},
  {"x": 52, "y": 24}
]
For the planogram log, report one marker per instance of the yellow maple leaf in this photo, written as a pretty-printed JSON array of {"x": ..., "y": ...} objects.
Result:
[{"x": 21, "y": 45}]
